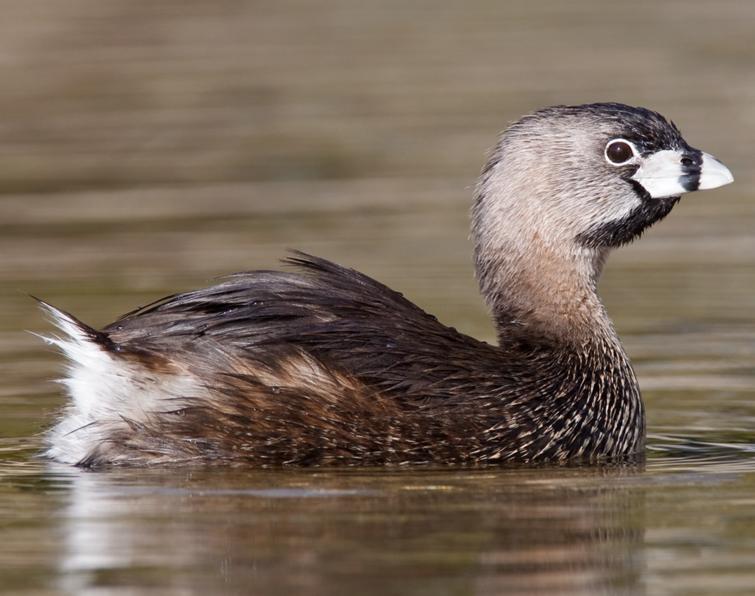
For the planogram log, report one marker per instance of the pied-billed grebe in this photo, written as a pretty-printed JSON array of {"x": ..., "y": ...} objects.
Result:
[{"x": 326, "y": 366}]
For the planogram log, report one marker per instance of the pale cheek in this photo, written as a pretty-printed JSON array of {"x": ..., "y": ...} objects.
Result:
[
  {"x": 619, "y": 206},
  {"x": 594, "y": 206}
]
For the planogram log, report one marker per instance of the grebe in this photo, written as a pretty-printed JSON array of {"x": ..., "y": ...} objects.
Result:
[{"x": 326, "y": 366}]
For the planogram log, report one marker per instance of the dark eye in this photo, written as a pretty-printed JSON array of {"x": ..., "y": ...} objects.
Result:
[{"x": 618, "y": 152}]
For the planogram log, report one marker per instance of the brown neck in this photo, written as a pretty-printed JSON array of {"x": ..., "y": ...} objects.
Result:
[{"x": 537, "y": 292}]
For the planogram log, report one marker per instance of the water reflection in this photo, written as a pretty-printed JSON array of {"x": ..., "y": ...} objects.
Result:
[{"x": 481, "y": 532}]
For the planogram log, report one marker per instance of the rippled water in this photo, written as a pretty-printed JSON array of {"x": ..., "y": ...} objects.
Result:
[{"x": 147, "y": 147}]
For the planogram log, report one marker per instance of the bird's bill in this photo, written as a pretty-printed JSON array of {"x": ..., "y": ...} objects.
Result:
[{"x": 670, "y": 173}]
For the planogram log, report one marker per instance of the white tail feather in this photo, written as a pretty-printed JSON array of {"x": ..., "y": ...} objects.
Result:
[{"x": 105, "y": 389}]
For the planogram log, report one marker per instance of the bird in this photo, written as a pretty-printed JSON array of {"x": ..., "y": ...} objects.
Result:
[{"x": 320, "y": 365}]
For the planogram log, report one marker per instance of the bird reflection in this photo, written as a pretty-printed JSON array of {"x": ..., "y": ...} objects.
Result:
[{"x": 566, "y": 531}]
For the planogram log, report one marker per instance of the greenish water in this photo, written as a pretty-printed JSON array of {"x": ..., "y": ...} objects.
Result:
[{"x": 146, "y": 148}]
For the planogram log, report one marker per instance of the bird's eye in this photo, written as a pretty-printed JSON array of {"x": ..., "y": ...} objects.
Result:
[{"x": 619, "y": 151}]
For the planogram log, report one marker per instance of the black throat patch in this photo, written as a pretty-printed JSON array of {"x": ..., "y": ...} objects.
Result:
[{"x": 615, "y": 233}]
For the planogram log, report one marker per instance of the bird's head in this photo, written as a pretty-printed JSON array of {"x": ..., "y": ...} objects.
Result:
[{"x": 591, "y": 176}]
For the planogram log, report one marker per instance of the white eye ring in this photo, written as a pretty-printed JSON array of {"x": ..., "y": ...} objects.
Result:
[{"x": 616, "y": 149}]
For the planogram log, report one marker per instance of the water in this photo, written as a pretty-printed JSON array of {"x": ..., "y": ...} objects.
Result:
[{"x": 146, "y": 148}]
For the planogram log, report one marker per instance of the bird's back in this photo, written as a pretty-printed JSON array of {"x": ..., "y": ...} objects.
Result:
[{"x": 314, "y": 366}]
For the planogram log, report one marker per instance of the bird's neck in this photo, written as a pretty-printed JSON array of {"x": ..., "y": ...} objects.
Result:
[
  {"x": 547, "y": 307},
  {"x": 537, "y": 291}
]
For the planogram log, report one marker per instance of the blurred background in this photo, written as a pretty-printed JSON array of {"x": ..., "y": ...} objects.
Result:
[{"x": 147, "y": 147}]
